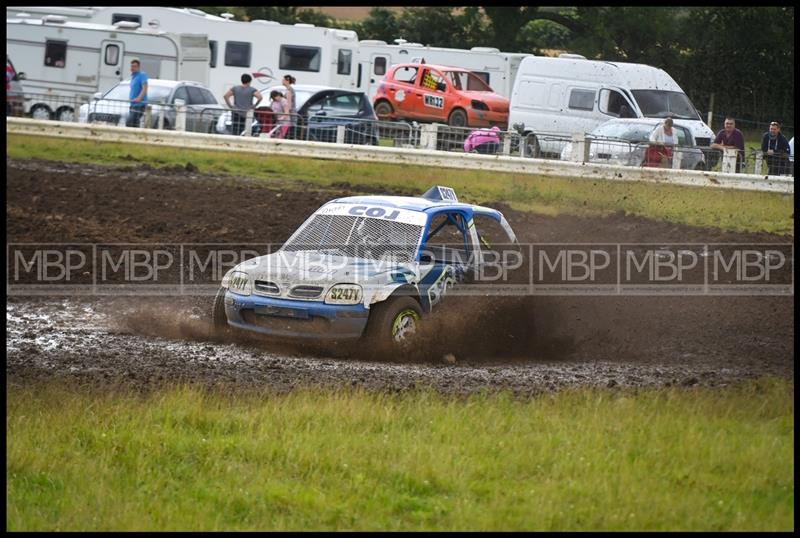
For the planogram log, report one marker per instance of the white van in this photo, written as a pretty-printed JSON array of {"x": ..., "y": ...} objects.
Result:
[{"x": 572, "y": 95}]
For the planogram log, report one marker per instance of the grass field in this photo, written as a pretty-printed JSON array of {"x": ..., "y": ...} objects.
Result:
[
  {"x": 673, "y": 459},
  {"x": 726, "y": 209}
]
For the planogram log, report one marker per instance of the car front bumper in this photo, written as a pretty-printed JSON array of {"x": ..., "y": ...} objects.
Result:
[
  {"x": 487, "y": 118},
  {"x": 295, "y": 319}
]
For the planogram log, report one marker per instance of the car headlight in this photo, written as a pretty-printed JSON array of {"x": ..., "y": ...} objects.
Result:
[
  {"x": 344, "y": 294},
  {"x": 237, "y": 282}
]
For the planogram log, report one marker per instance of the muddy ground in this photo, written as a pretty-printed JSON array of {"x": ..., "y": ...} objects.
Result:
[{"x": 526, "y": 344}]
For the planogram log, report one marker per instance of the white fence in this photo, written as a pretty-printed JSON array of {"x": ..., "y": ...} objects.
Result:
[{"x": 399, "y": 155}]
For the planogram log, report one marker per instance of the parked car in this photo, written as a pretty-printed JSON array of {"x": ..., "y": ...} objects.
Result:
[
  {"x": 15, "y": 100},
  {"x": 202, "y": 108},
  {"x": 320, "y": 109},
  {"x": 626, "y": 142},
  {"x": 435, "y": 93},
  {"x": 366, "y": 266}
]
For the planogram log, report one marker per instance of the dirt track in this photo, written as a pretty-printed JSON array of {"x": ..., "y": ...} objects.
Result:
[{"x": 524, "y": 344}]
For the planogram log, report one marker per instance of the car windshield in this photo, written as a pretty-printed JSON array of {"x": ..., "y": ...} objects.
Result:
[
  {"x": 466, "y": 81},
  {"x": 633, "y": 132},
  {"x": 361, "y": 237},
  {"x": 121, "y": 92},
  {"x": 660, "y": 104}
]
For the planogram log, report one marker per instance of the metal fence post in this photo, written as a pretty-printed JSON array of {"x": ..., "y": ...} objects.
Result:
[
  {"x": 580, "y": 149},
  {"x": 248, "y": 123},
  {"x": 75, "y": 109},
  {"x": 161, "y": 118},
  {"x": 759, "y": 162},
  {"x": 340, "y": 134},
  {"x": 729, "y": 160},
  {"x": 507, "y": 143},
  {"x": 148, "y": 114},
  {"x": 677, "y": 157},
  {"x": 428, "y": 134},
  {"x": 180, "y": 115}
]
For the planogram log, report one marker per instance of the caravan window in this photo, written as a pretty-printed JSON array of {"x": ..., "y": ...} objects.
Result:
[
  {"x": 581, "y": 99},
  {"x": 299, "y": 58},
  {"x": 112, "y": 55},
  {"x": 212, "y": 62},
  {"x": 380, "y": 66},
  {"x": 237, "y": 54},
  {"x": 343, "y": 64},
  {"x": 117, "y": 17},
  {"x": 55, "y": 53}
]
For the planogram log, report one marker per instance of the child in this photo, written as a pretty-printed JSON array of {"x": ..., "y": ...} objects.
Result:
[{"x": 280, "y": 111}]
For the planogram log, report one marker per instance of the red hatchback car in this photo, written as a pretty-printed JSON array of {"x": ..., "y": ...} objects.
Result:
[{"x": 436, "y": 93}]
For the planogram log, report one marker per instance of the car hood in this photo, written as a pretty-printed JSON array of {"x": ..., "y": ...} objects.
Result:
[{"x": 324, "y": 268}]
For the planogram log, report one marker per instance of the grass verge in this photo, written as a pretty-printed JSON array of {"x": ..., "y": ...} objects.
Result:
[
  {"x": 587, "y": 459},
  {"x": 720, "y": 208}
]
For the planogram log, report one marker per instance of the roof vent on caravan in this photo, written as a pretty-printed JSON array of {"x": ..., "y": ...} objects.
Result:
[
  {"x": 484, "y": 49},
  {"x": 22, "y": 15},
  {"x": 194, "y": 11},
  {"x": 264, "y": 21},
  {"x": 400, "y": 41},
  {"x": 126, "y": 25},
  {"x": 573, "y": 56},
  {"x": 227, "y": 16},
  {"x": 303, "y": 25},
  {"x": 55, "y": 19},
  {"x": 372, "y": 42}
]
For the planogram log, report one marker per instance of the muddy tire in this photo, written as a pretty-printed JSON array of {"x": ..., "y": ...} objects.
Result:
[
  {"x": 219, "y": 320},
  {"x": 384, "y": 110},
  {"x": 393, "y": 323},
  {"x": 458, "y": 118}
]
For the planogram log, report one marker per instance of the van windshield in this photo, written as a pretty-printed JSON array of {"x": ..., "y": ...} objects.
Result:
[{"x": 660, "y": 104}]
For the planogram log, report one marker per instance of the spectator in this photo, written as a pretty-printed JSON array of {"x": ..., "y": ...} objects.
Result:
[
  {"x": 776, "y": 150},
  {"x": 731, "y": 137},
  {"x": 242, "y": 102},
  {"x": 288, "y": 80},
  {"x": 138, "y": 94},
  {"x": 484, "y": 141},
  {"x": 280, "y": 112},
  {"x": 10, "y": 74},
  {"x": 662, "y": 139}
]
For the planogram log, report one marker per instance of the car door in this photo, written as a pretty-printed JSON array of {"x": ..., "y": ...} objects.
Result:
[
  {"x": 500, "y": 258},
  {"x": 431, "y": 101},
  {"x": 199, "y": 118},
  {"x": 403, "y": 89},
  {"x": 181, "y": 94},
  {"x": 446, "y": 255}
]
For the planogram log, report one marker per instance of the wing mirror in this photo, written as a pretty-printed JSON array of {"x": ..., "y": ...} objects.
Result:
[{"x": 20, "y": 76}]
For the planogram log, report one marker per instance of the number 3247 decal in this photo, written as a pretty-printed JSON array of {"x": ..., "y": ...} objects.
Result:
[{"x": 433, "y": 101}]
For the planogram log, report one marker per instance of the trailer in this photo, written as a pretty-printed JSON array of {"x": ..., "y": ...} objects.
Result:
[
  {"x": 312, "y": 54},
  {"x": 498, "y": 69},
  {"x": 67, "y": 62}
]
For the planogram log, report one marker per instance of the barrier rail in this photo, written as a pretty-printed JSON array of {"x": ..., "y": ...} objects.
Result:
[{"x": 398, "y": 156}]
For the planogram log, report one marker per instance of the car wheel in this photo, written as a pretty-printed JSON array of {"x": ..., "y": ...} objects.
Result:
[
  {"x": 219, "y": 319},
  {"x": 41, "y": 112},
  {"x": 458, "y": 118},
  {"x": 394, "y": 322},
  {"x": 65, "y": 114},
  {"x": 384, "y": 110}
]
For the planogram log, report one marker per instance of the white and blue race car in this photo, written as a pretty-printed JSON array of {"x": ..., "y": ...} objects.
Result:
[{"x": 366, "y": 266}]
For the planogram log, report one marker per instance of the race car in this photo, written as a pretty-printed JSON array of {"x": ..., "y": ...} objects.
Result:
[{"x": 363, "y": 266}]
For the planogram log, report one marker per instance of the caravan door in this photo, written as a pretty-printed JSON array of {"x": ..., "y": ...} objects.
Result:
[
  {"x": 378, "y": 65},
  {"x": 111, "y": 68}
]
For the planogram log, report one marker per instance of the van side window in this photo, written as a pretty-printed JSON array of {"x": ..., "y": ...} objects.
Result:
[
  {"x": 55, "y": 53},
  {"x": 212, "y": 46},
  {"x": 611, "y": 103},
  {"x": 380, "y": 65},
  {"x": 298, "y": 58},
  {"x": 237, "y": 53},
  {"x": 581, "y": 99},
  {"x": 344, "y": 61}
]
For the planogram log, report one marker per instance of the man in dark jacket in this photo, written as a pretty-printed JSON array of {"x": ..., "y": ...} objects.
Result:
[{"x": 776, "y": 150}]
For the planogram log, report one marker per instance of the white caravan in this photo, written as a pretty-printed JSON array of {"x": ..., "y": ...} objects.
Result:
[
  {"x": 496, "y": 68},
  {"x": 67, "y": 62},
  {"x": 313, "y": 55},
  {"x": 572, "y": 95}
]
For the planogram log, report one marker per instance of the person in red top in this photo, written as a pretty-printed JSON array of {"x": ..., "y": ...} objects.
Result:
[{"x": 731, "y": 137}]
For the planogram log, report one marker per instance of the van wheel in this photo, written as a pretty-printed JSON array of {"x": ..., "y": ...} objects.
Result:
[
  {"x": 531, "y": 146},
  {"x": 65, "y": 113},
  {"x": 41, "y": 112},
  {"x": 393, "y": 323},
  {"x": 384, "y": 110},
  {"x": 458, "y": 118}
]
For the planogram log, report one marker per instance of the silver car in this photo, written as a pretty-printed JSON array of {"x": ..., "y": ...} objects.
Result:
[
  {"x": 626, "y": 142},
  {"x": 202, "y": 108}
]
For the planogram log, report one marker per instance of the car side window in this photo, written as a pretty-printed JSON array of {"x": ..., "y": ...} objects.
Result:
[
  {"x": 683, "y": 136},
  {"x": 181, "y": 93},
  {"x": 406, "y": 74},
  {"x": 431, "y": 80},
  {"x": 197, "y": 96},
  {"x": 447, "y": 240}
]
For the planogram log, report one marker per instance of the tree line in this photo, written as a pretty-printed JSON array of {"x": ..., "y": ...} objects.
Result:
[{"x": 743, "y": 55}]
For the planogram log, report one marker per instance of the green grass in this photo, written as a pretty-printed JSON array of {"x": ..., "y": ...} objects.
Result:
[
  {"x": 720, "y": 208},
  {"x": 183, "y": 458}
]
